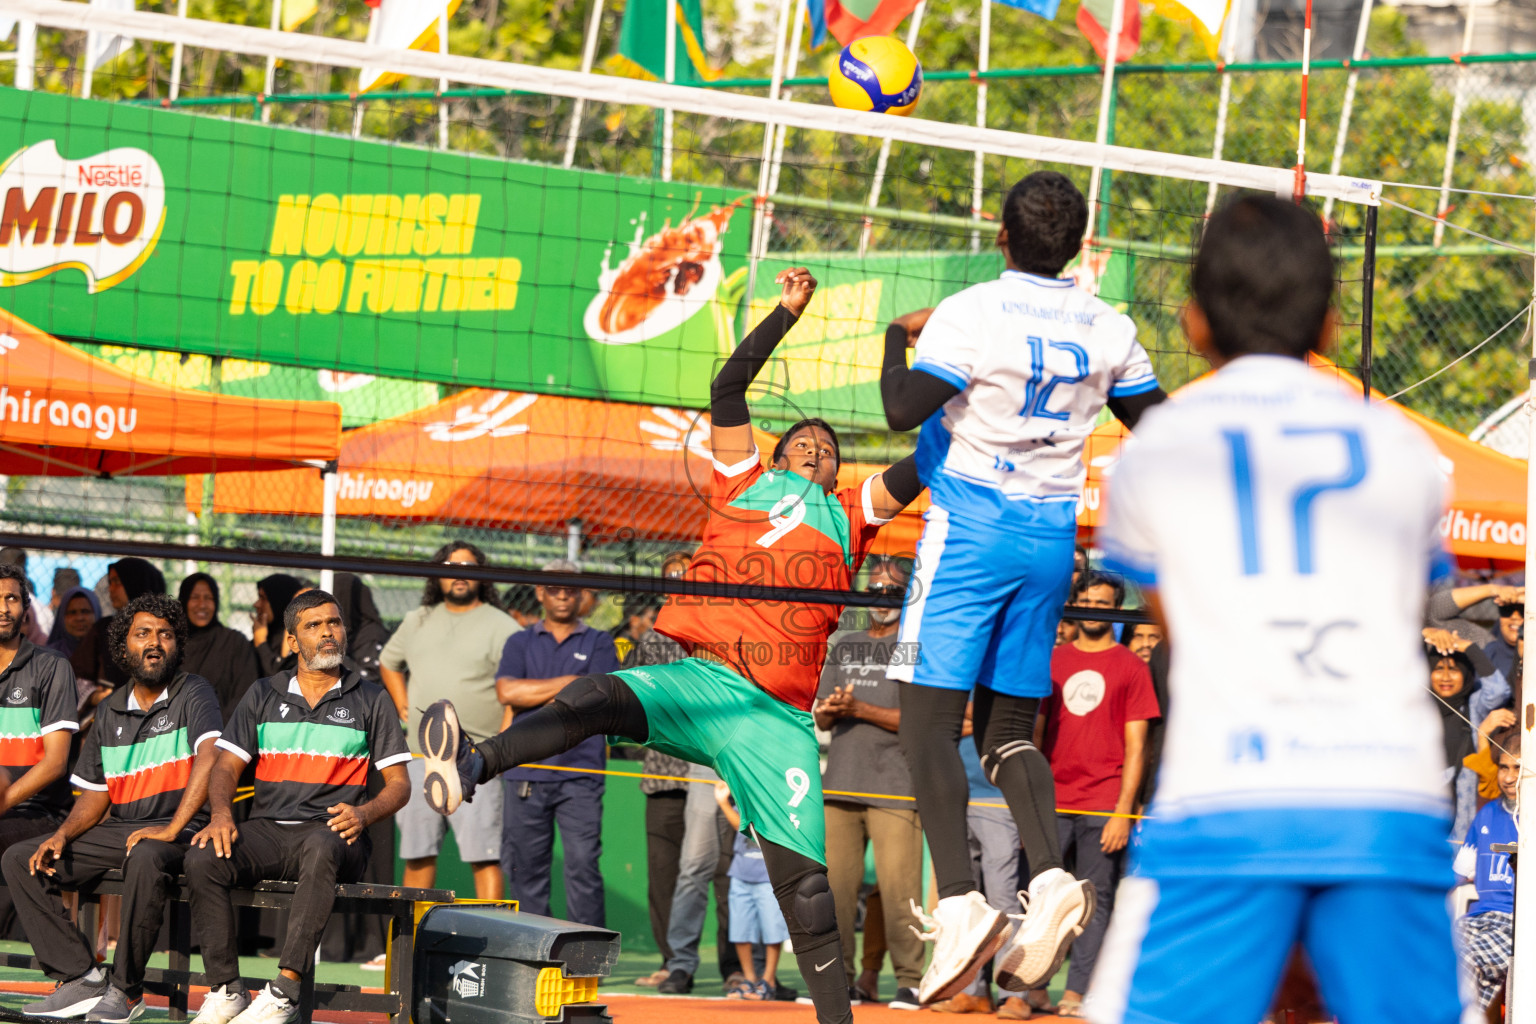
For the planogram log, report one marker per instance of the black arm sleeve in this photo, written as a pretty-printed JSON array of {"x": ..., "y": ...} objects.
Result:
[
  {"x": 909, "y": 396},
  {"x": 1128, "y": 410},
  {"x": 901, "y": 481},
  {"x": 728, "y": 392}
]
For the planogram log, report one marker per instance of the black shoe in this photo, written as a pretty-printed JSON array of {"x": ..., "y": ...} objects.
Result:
[
  {"x": 678, "y": 983},
  {"x": 906, "y": 999},
  {"x": 785, "y": 994}
]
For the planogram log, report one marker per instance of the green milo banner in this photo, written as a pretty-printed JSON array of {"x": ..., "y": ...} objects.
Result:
[{"x": 130, "y": 228}]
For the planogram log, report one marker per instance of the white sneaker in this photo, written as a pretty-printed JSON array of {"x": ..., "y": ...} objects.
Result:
[
  {"x": 965, "y": 933},
  {"x": 1056, "y": 907},
  {"x": 222, "y": 1005},
  {"x": 269, "y": 1007}
]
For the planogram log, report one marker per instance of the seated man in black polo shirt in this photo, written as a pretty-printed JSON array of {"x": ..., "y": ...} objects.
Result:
[
  {"x": 312, "y": 731},
  {"x": 146, "y": 763}
]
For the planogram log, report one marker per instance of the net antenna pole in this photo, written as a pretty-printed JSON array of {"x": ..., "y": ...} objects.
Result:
[
  {"x": 1299, "y": 191},
  {"x": 982, "y": 62},
  {"x": 1361, "y": 31},
  {"x": 758, "y": 245},
  {"x": 878, "y": 185},
  {"x": 791, "y": 68},
  {"x": 1522, "y": 998},
  {"x": 176, "y": 55},
  {"x": 1368, "y": 300},
  {"x": 1106, "y": 100},
  {"x": 331, "y": 482},
  {"x": 588, "y": 54},
  {"x": 669, "y": 73},
  {"x": 1457, "y": 106},
  {"x": 270, "y": 81},
  {"x": 442, "y": 83},
  {"x": 1228, "y": 53}
]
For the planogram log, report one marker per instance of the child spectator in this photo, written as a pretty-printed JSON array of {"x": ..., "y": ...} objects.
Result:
[
  {"x": 1486, "y": 933},
  {"x": 755, "y": 914}
]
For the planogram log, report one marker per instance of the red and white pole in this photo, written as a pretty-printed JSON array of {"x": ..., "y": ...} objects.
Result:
[{"x": 1300, "y": 189}]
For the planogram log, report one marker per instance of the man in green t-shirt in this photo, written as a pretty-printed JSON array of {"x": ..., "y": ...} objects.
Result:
[{"x": 454, "y": 640}]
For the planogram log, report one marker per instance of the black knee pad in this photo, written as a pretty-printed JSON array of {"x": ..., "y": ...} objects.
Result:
[
  {"x": 589, "y": 695},
  {"x": 992, "y": 759},
  {"x": 812, "y": 905}
]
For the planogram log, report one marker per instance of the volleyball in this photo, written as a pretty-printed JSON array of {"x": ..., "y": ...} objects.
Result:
[{"x": 877, "y": 73}]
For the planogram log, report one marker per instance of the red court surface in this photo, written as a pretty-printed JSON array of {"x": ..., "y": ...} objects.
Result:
[{"x": 626, "y": 1008}]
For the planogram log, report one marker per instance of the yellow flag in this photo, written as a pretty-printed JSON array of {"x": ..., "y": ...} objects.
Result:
[
  {"x": 402, "y": 25},
  {"x": 297, "y": 12},
  {"x": 1206, "y": 17}
]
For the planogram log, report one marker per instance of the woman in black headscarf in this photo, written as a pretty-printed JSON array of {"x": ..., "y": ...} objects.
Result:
[
  {"x": 127, "y": 579},
  {"x": 78, "y": 612},
  {"x": 366, "y": 635},
  {"x": 272, "y": 596},
  {"x": 221, "y": 655}
]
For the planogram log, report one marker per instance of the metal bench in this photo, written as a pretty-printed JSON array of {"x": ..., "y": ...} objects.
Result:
[{"x": 395, "y": 902}]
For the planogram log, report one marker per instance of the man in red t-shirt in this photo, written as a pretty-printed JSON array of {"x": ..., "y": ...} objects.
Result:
[{"x": 1095, "y": 727}]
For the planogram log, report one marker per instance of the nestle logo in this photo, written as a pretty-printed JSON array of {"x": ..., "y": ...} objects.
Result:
[{"x": 110, "y": 175}]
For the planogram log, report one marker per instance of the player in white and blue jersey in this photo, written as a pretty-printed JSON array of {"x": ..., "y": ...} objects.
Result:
[
  {"x": 1008, "y": 381},
  {"x": 1286, "y": 532}
]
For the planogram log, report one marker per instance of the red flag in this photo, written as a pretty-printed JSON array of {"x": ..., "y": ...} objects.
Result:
[{"x": 1093, "y": 21}]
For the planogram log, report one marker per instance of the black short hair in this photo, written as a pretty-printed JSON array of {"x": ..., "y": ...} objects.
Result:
[
  {"x": 12, "y": 572},
  {"x": 1264, "y": 277},
  {"x": 809, "y": 423},
  {"x": 1093, "y": 578},
  {"x": 1045, "y": 216},
  {"x": 158, "y": 605},
  {"x": 432, "y": 594},
  {"x": 1505, "y": 739},
  {"x": 522, "y": 598},
  {"x": 303, "y": 603}
]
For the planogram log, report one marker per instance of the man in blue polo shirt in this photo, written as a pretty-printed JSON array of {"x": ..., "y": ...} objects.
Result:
[{"x": 537, "y": 664}]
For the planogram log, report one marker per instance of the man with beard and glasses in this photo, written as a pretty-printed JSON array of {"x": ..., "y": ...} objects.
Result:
[
  {"x": 536, "y": 664},
  {"x": 862, "y": 710},
  {"x": 37, "y": 720},
  {"x": 312, "y": 733},
  {"x": 451, "y": 645},
  {"x": 1095, "y": 731},
  {"x": 143, "y": 780}
]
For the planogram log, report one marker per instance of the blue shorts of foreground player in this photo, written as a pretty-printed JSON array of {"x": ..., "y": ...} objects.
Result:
[
  {"x": 1213, "y": 951},
  {"x": 977, "y": 590}
]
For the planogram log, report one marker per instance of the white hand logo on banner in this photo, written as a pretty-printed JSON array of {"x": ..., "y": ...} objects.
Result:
[
  {"x": 680, "y": 431},
  {"x": 488, "y": 419}
]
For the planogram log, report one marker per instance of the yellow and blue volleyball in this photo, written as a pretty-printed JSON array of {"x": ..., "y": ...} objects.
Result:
[{"x": 877, "y": 73}]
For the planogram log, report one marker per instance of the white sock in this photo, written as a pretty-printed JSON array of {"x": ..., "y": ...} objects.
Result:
[{"x": 94, "y": 976}]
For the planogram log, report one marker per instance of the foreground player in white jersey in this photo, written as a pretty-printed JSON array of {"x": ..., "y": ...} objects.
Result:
[
  {"x": 1008, "y": 381},
  {"x": 1286, "y": 532}
]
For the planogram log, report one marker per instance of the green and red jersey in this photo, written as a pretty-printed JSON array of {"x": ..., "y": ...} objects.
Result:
[
  {"x": 142, "y": 758},
  {"x": 310, "y": 758},
  {"x": 37, "y": 696},
  {"x": 773, "y": 528}
]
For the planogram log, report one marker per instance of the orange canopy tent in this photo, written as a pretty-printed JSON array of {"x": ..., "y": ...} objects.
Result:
[
  {"x": 1485, "y": 519},
  {"x": 522, "y": 461},
  {"x": 63, "y": 413}
]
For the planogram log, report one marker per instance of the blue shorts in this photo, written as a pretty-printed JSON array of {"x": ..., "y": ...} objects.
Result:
[
  {"x": 976, "y": 591},
  {"x": 755, "y": 914},
  {"x": 1213, "y": 951}
]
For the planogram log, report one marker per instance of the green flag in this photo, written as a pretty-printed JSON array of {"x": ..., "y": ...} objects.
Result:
[{"x": 643, "y": 42}]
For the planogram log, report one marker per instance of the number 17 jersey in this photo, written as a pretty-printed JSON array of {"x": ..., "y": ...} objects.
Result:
[{"x": 1291, "y": 531}]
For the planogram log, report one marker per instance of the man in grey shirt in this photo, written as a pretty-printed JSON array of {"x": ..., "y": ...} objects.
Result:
[
  {"x": 862, "y": 709},
  {"x": 451, "y": 645}
]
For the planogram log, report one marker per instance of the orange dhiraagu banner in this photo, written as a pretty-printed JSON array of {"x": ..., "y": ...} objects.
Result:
[
  {"x": 1485, "y": 515},
  {"x": 63, "y": 413},
  {"x": 522, "y": 461}
]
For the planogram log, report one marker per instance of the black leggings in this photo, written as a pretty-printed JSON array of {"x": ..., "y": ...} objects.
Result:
[
  {"x": 606, "y": 706},
  {"x": 1003, "y": 729}
]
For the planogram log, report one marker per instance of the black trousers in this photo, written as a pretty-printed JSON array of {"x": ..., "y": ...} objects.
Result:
[
  {"x": 147, "y": 875},
  {"x": 663, "y": 846},
  {"x": 15, "y": 828},
  {"x": 309, "y": 854}
]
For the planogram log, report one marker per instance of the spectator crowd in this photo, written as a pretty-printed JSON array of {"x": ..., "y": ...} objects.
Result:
[{"x": 154, "y": 712}]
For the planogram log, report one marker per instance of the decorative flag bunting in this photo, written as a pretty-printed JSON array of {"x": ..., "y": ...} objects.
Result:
[
  {"x": 401, "y": 25},
  {"x": 848, "y": 20},
  {"x": 1044, "y": 8},
  {"x": 1093, "y": 20},
  {"x": 297, "y": 12},
  {"x": 643, "y": 43},
  {"x": 1206, "y": 18}
]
